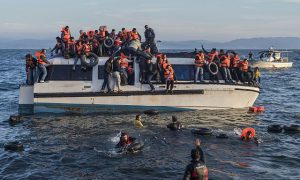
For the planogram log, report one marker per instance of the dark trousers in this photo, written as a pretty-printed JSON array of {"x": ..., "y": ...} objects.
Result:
[
  {"x": 170, "y": 84},
  {"x": 106, "y": 82},
  {"x": 235, "y": 73},
  {"x": 149, "y": 78}
]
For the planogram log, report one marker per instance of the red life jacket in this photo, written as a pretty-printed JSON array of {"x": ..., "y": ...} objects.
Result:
[
  {"x": 169, "y": 72},
  {"x": 199, "y": 60},
  {"x": 123, "y": 62},
  {"x": 70, "y": 42},
  {"x": 118, "y": 42},
  {"x": 38, "y": 55}
]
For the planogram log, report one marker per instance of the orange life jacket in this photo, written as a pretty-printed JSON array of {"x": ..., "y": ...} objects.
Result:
[
  {"x": 66, "y": 33},
  {"x": 211, "y": 57},
  {"x": 246, "y": 130},
  {"x": 169, "y": 73},
  {"x": 38, "y": 55},
  {"x": 199, "y": 60},
  {"x": 123, "y": 63},
  {"x": 235, "y": 61},
  {"x": 225, "y": 61},
  {"x": 244, "y": 66},
  {"x": 71, "y": 42},
  {"x": 134, "y": 36}
]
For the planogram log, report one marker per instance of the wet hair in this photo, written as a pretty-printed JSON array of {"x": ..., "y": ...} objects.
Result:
[
  {"x": 137, "y": 116},
  {"x": 195, "y": 154},
  {"x": 174, "y": 118}
]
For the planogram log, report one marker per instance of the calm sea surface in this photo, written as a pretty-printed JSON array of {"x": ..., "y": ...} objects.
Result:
[{"x": 80, "y": 147}]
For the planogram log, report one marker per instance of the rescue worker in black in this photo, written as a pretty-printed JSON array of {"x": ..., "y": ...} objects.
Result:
[{"x": 175, "y": 125}]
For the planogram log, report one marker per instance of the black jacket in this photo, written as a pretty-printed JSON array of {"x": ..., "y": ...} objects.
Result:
[
  {"x": 174, "y": 126},
  {"x": 149, "y": 33},
  {"x": 116, "y": 66},
  {"x": 108, "y": 68},
  {"x": 150, "y": 68}
]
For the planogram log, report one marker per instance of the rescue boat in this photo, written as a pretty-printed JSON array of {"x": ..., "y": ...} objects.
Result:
[
  {"x": 272, "y": 59},
  {"x": 78, "y": 91}
]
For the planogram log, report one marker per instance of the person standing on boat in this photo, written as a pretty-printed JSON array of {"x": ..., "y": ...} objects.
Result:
[
  {"x": 234, "y": 66},
  {"x": 65, "y": 36},
  {"x": 199, "y": 64},
  {"x": 225, "y": 64},
  {"x": 244, "y": 66},
  {"x": 116, "y": 75},
  {"x": 31, "y": 64},
  {"x": 150, "y": 39},
  {"x": 212, "y": 56},
  {"x": 108, "y": 70},
  {"x": 42, "y": 64},
  {"x": 169, "y": 76},
  {"x": 150, "y": 72},
  {"x": 123, "y": 69}
]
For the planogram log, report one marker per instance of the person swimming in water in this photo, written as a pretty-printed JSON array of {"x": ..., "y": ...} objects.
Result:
[
  {"x": 175, "y": 125},
  {"x": 248, "y": 134},
  {"x": 125, "y": 140},
  {"x": 198, "y": 148},
  {"x": 138, "y": 121},
  {"x": 196, "y": 169}
]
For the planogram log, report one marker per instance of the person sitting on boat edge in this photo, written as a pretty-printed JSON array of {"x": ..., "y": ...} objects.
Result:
[
  {"x": 196, "y": 169},
  {"x": 42, "y": 64},
  {"x": 108, "y": 70},
  {"x": 138, "y": 121},
  {"x": 175, "y": 125},
  {"x": 198, "y": 148},
  {"x": 125, "y": 140},
  {"x": 31, "y": 64}
]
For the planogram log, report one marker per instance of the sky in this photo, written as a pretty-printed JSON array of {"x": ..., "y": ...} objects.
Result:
[{"x": 177, "y": 20}]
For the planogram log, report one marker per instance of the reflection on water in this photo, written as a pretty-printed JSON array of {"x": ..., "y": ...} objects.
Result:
[{"x": 81, "y": 146}]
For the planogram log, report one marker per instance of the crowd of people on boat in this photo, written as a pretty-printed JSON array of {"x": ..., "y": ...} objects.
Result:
[{"x": 123, "y": 46}]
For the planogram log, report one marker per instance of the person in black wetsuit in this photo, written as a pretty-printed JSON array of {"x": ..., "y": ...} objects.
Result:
[
  {"x": 150, "y": 39},
  {"x": 175, "y": 125},
  {"x": 150, "y": 72},
  {"x": 198, "y": 148},
  {"x": 196, "y": 169}
]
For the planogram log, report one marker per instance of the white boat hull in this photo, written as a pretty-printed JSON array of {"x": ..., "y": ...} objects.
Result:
[
  {"x": 269, "y": 65},
  {"x": 202, "y": 96}
]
